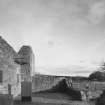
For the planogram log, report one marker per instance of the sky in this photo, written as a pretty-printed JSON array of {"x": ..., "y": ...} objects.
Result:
[{"x": 67, "y": 36}]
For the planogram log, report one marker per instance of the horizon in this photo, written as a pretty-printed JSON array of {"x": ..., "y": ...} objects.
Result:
[{"x": 65, "y": 35}]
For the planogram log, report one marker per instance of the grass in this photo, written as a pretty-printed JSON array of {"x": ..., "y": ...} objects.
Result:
[{"x": 44, "y": 98}]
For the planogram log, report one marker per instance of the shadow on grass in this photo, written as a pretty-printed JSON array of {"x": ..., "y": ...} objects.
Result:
[{"x": 19, "y": 102}]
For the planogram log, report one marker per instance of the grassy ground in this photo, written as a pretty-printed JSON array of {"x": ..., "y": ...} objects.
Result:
[{"x": 51, "y": 99}]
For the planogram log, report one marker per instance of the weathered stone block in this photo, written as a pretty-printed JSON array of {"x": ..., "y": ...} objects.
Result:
[{"x": 6, "y": 99}]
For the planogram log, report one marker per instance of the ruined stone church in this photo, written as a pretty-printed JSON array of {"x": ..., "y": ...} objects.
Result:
[{"x": 14, "y": 67}]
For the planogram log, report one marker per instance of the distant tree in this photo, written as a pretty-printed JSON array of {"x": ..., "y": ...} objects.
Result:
[
  {"x": 100, "y": 74},
  {"x": 102, "y": 67}
]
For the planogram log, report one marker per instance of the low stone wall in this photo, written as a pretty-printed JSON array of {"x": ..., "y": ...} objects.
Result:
[{"x": 41, "y": 83}]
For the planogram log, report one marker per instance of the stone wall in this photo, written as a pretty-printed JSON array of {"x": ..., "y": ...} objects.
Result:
[
  {"x": 26, "y": 56},
  {"x": 7, "y": 65},
  {"x": 44, "y": 82}
]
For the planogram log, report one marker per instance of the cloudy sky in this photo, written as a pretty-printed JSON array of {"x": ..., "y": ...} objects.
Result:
[{"x": 67, "y": 36}]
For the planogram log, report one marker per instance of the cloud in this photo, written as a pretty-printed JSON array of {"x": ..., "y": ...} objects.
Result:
[
  {"x": 51, "y": 43},
  {"x": 96, "y": 12},
  {"x": 72, "y": 70}
]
